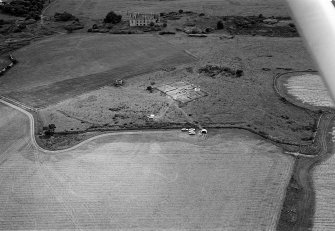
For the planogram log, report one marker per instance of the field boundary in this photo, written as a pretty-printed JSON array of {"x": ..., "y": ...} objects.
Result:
[
  {"x": 55, "y": 88},
  {"x": 299, "y": 205}
]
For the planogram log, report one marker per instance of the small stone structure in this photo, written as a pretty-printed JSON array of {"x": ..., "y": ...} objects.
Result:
[{"x": 182, "y": 91}]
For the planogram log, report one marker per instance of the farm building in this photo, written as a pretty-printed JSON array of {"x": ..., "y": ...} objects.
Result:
[{"x": 139, "y": 19}]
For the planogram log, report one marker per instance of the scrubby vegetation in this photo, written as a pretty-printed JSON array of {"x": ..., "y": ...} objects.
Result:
[
  {"x": 74, "y": 26},
  {"x": 64, "y": 17},
  {"x": 24, "y": 8},
  {"x": 214, "y": 70},
  {"x": 219, "y": 25}
]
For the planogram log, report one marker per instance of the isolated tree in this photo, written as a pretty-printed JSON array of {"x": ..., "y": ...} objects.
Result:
[
  {"x": 149, "y": 89},
  {"x": 113, "y": 18},
  {"x": 239, "y": 73},
  {"x": 52, "y": 126},
  {"x": 50, "y": 130},
  {"x": 219, "y": 25}
]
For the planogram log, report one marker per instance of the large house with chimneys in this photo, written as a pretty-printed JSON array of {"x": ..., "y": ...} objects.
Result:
[{"x": 141, "y": 19}]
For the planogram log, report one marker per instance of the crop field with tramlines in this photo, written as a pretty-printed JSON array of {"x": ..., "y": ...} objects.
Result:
[
  {"x": 98, "y": 9},
  {"x": 309, "y": 88},
  {"x": 64, "y": 66},
  {"x": 148, "y": 180},
  {"x": 323, "y": 178}
]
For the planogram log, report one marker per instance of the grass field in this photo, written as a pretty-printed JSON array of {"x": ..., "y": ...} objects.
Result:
[
  {"x": 107, "y": 106},
  {"x": 9, "y": 17},
  {"x": 4, "y": 61},
  {"x": 98, "y": 9},
  {"x": 64, "y": 66},
  {"x": 151, "y": 180},
  {"x": 248, "y": 100}
]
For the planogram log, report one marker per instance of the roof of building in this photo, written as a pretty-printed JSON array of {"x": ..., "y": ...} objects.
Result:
[{"x": 140, "y": 16}]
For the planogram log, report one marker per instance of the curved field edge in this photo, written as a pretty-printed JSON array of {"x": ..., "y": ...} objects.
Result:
[
  {"x": 70, "y": 138},
  {"x": 299, "y": 205},
  {"x": 323, "y": 180},
  {"x": 257, "y": 213},
  {"x": 291, "y": 180},
  {"x": 87, "y": 62}
]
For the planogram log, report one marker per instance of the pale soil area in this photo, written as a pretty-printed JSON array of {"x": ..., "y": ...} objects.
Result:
[
  {"x": 98, "y": 9},
  {"x": 148, "y": 180},
  {"x": 310, "y": 89}
]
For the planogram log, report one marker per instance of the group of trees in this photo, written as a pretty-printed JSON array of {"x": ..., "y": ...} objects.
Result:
[
  {"x": 24, "y": 8},
  {"x": 219, "y": 25},
  {"x": 49, "y": 130},
  {"x": 113, "y": 18}
]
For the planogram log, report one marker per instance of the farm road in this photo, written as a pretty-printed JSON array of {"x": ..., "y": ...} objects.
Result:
[{"x": 152, "y": 180}]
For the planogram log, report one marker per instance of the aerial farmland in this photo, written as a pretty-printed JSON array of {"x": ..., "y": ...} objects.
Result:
[
  {"x": 216, "y": 7},
  {"x": 199, "y": 117},
  {"x": 62, "y": 62}
]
